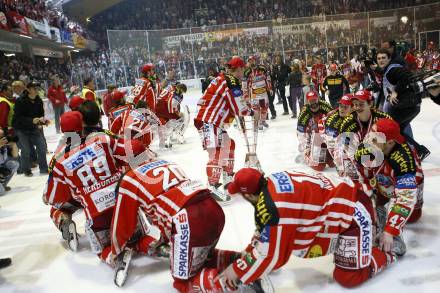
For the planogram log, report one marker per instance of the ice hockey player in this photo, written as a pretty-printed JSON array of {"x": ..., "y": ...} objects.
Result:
[
  {"x": 355, "y": 127},
  {"x": 64, "y": 203},
  {"x": 391, "y": 167},
  {"x": 186, "y": 214},
  {"x": 172, "y": 120},
  {"x": 136, "y": 123},
  {"x": 120, "y": 106},
  {"x": 220, "y": 104},
  {"x": 75, "y": 102},
  {"x": 307, "y": 216},
  {"x": 259, "y": 87},
  {"x": 332, "y": 124},
  {"x": 90, "y": 169},
  {"x": 311, "y": 143},
  {"x": 146, "y": 88},
  {"x": 319, "y": 73}
]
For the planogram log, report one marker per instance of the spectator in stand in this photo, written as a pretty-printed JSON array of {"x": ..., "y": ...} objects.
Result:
[
  {"x": 8, "y": 160},
  {"x": 17, "y": 89},
  {"x": 296, "y": 85},
  {"x": 281, "y": 73},
  {"x": 57, "y": 97},
  {"x": 108, "y": 102},
  {"x": 28, "y": 118},
  {"x": 6, "y": 105}
]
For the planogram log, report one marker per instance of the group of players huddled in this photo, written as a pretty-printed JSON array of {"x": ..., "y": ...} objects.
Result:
[{"x": 127, "y": 193}]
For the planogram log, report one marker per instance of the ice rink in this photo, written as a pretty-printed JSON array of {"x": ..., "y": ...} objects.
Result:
[{"x": 42, "y": 263}]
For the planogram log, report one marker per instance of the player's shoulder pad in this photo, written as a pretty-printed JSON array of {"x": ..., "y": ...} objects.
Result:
[
  {"x": 325, "y": 106},
  {"x": 266, "y": 213},
  {"x": 402, "y": 160},
  {"x": 349, "y": 123},
  {"x": 380, "y": 114}
]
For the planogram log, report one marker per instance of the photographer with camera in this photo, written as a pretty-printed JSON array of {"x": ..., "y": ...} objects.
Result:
[
  {"x": 8, "y": 160},
  {"x": 27, "y": 121},
  {"x": 402, "y": 103}
]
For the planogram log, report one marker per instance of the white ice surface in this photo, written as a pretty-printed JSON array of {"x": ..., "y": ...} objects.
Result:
[{"x": 41, "y": 262}]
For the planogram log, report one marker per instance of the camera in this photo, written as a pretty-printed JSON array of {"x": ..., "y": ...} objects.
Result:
[{"x": 425, "y": 81}]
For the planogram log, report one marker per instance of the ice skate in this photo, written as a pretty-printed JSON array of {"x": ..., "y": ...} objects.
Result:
[
  {"x": 68, "y": 231},
  {"x": 264, "y": 123},
  {"x": 262, "y": 285},
  {"x": 219, "y": 195},
  {"x": 122, "y": 264}
]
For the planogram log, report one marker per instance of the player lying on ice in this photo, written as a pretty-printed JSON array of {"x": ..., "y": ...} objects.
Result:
[
  {"x": 309, "y": 216},
  {"x": 187, "y": 216}
]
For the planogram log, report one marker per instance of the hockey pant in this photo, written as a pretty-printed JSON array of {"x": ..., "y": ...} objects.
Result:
[
  {"x": 260, "y": 107},
  {"x": 64, "y": 211},
  {"x": 356, "y": 258},
  {"x": 221, "y": 152},
  {"x": 195, "y": 262}
]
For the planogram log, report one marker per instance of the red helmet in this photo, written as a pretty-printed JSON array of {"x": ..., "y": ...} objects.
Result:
[
  {"x": 117, "y": 96},
  {"x": 333, "y": 67},
  {"x": 147, "y": 67}
]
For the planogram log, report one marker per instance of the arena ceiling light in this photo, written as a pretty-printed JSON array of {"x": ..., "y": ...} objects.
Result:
[
  {"x": 71, "y": 47},
  {"x": 404, "y": 19},
  {"x": 9, "y": 54},
  {"x": 76, "y": 51}
]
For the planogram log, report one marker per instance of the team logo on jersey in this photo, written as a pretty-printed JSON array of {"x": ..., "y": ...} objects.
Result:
[
  {"x": 406, "y": 181},
  {"x": 137, "y": 115},
  {"x": 236, "y": 92},
  {"x": 282, "y": 182},
  {"x": 181, "y": 245},
  {"x": 363, "y": 219},
  {"x": 83, "y": 156},
  {"x": 147, "y": 167}
]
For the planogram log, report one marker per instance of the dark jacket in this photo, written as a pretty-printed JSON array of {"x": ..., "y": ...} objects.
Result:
[
  {"x": 281, "y": 73},
  {"x": 295, "y": 79},
  {"x": 401, "y": 78},
  {"x": 25, "y": 111},
  {"x": 335, "y": 85}
]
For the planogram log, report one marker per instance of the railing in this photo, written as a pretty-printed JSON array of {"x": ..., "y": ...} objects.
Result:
[{"x": 190, "y": 51}]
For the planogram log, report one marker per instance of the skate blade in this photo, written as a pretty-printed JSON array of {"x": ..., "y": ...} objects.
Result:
[
  {"x": 121, "y": 272},
  {"x": 72, "y": 243}
]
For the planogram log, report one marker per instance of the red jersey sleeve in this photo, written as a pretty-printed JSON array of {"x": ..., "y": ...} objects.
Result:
[
  {"x": 90, "y": 96},
  {"x": 4, "y": 113}
]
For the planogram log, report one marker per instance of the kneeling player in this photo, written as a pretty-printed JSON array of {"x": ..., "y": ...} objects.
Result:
[
  {"x": 395, "y": 175},
  {"x": 308, "y": 216},
  {"x": 187, "y": 216},
  {"x": 172, "y": 120},
  {"x": 311, "y": 142}
]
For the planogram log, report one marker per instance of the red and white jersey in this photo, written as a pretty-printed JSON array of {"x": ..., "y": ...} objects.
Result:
[
  {"x": 258, "y": 83},
  {"x": 135, "y": 121},
  {"x": 221, "y": 102},
  {"x": 116, "y": 112},
  {"x": 168, "y": 104},
  {"x": 160, "y": 189},
  {"x": 145, "y": 90},
  {"x": 319, "y": 73},
  {"x": 293, "y": 211},
  {"x": 90, "y": 171}
]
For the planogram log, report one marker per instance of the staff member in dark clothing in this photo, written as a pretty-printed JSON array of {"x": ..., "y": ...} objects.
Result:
[
  {"x": 281, "y": 73},
  {"x": 390, "y": 46},
  {"x": 212, "y": 74},
  {"x": 334, "y": 84},
  {"x": 270, "y": 72},
  {"x": 401, "y": 102},
  {"x": 28, "y": 118},
  {"x": 295, "y": 83}
]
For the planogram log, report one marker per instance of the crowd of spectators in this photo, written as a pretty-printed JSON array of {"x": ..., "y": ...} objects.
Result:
[{"x": 40, "y": 10}]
